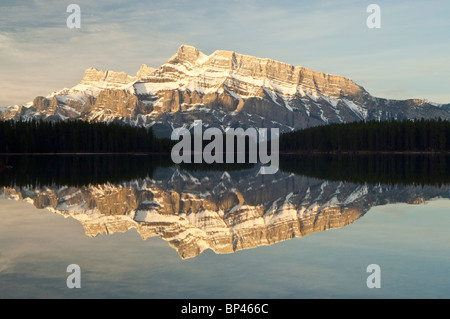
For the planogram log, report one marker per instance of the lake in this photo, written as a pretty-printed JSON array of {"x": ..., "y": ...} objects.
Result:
[{"x": 140, "y": 227}]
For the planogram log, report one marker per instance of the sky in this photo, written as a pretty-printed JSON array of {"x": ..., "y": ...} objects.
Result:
[{"x": 407, "y": 57}]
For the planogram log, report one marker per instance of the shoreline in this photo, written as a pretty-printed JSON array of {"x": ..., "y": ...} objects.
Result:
[
  {"x": 280, "y": 153},
  {"x": 366, "y": 153},
  {"x": 65, "y": 153}
]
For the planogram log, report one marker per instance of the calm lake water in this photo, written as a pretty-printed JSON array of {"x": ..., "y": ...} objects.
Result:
[{"x": 139, "y": 227}]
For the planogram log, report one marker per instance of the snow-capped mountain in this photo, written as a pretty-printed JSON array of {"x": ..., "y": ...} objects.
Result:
[{"x": 224, "y": 89}]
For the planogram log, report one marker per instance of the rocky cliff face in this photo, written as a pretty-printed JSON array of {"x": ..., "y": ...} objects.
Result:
[
  {"x": 221, "y": 211},
  {"x": 224, "y": 89},
  {"x": 107, "y": 79}
]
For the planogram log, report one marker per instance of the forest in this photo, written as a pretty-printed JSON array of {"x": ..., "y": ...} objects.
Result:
[
  {"x": 27, "y": 137},
  {"x": 371, "y": 136},
  {"x": 78, "y": 137}
]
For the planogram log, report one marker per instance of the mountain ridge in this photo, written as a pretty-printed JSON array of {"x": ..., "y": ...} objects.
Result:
[{"x": 223, "y": 89}]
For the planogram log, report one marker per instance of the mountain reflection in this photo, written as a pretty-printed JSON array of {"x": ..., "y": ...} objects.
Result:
[{"x": 223, "y": 208}]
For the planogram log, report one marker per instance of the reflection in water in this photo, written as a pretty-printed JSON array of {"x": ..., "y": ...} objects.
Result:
[
  {"x": 418, "y": 169},
  {"x": 224, "y": 209}
]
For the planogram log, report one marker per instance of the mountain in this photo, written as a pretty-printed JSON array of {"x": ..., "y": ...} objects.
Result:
[
  {"x": 222, "y": 211},
  {"x": 224, "y": 89}
]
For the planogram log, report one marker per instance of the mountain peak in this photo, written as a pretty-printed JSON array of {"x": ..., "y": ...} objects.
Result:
[
  {"x": 260, "y": 73},
  {"x": 188, "y": 53}
]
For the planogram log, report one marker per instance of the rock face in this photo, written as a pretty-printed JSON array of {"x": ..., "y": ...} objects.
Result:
[
  {"x": 224, "y": 89},
  {"x": 224, "y": 212},
  {"x": 118, "y": 102},
  {"x": 93, "y": 76}
]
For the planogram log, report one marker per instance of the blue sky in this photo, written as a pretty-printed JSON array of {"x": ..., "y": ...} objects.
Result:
[{"x": 408, "y": 57}]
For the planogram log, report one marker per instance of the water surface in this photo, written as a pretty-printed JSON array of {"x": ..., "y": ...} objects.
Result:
[{"x": 143, "y": 228}]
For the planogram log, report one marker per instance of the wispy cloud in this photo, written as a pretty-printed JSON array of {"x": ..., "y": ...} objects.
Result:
[{"x": 38, "y": 53}]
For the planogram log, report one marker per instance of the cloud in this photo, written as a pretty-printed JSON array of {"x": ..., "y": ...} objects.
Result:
[{"x": 39, "y": 53}]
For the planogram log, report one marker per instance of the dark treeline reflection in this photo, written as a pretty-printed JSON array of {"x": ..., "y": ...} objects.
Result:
[
  {"x": 80, "y": 170},
  {"x": 407, "y": 169},
  {"x": 77, "y": 170}
]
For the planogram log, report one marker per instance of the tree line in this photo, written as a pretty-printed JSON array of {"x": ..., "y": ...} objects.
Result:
[
  {"x": 78, "y": 137},
  {"x": 371, "y": 136}
]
